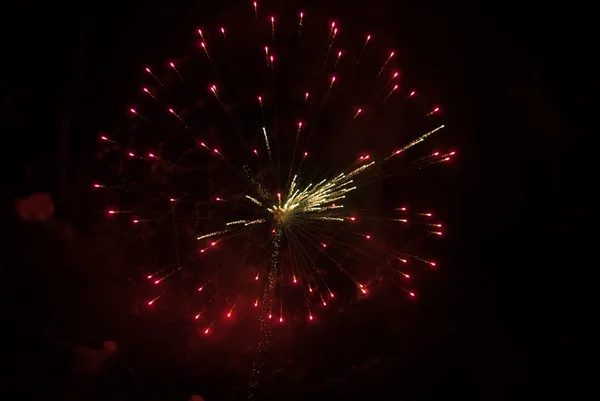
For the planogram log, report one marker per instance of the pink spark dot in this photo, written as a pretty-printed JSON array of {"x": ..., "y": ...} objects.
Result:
[
  {"x": 310, "y": 317},
  {"x": 151, "y": 155},
  {"x": 157, "y": 281},
  {"x": 131, "y": 154},
  {"x": 206, "y": 331},
  {"x": 213, "y": 243},
  {"x": 111, "y": 212},
  {"x": 150, "y": 303},
  {"x": 104, "y": 138},
  {"x": 135, "y": 221},
  {"x": 132, "y": 110},
  {"x": 216, "y": 150},
  {"x": 412, "y": 294},
  {"x": 172, "y": 65}
]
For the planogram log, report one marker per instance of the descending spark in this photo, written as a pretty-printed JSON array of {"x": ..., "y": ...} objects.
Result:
[
  {"x": 385, "y": 64},
  {"x": 367, "y": 39},
  {"x": 415, "y": 142},
  {"x": 172, "y": 65},
  {"x": 267, "y": 141},
  {"x": 337, "y": 60}
]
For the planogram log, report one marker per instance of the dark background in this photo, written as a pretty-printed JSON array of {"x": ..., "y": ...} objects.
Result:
[{"x": 499, "y": 324}]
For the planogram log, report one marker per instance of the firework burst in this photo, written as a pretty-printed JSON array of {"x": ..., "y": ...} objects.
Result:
[{"x": 254, "y": 149}]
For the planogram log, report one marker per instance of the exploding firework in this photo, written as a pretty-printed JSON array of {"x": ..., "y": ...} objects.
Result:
[{"x": 256, "y": 160}]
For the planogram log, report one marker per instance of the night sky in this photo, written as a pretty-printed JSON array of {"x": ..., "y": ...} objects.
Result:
[{"x": 493, "y": 324}]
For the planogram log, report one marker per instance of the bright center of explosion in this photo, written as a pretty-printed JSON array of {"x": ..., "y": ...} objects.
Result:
[{"x": 281, "y": 214}]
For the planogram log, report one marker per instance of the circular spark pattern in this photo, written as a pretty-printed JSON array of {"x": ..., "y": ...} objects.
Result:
[{"x": 267, "y": 172}]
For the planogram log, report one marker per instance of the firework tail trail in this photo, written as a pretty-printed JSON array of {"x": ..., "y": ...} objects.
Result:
[{"x": 265, "y": 328}]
